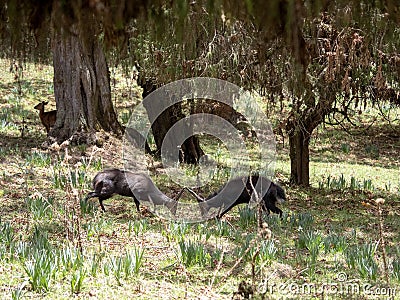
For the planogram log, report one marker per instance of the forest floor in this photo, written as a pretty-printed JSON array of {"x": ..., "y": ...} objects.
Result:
[{"x": 333, "y": 242}]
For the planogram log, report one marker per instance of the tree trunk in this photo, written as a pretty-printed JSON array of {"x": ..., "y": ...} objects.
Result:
[
  {"x": 299, "y": 157},
  {"x": 81, "y": 82},
  {"x": 190, "y": 150},
  {"x": 299, "y": 130}
]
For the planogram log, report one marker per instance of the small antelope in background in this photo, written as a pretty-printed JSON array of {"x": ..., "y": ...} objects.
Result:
[{"x": 48, "y": 118}]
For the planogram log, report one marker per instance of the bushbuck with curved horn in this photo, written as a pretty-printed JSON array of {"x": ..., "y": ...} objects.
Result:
[
  {"x": 241, "y": 190},
  {"x": 125, "y": 183}
]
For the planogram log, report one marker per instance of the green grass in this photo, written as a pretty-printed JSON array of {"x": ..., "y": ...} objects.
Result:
[{"x": 53, "y": 245}]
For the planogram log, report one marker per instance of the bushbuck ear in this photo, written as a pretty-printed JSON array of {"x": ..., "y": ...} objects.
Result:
[{"x": 45, "y": 103}]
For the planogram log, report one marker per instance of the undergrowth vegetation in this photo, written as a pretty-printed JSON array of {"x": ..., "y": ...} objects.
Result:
[{"x": 53, "y": 245}]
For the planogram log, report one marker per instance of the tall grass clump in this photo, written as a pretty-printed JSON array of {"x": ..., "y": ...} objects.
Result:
[
  {"x": 18, "y": 292},
  {"x": 78, "y": 179},
  {"x": 313, "y": 242},
  {"x": 22, "y": 250},
  {"x": 3, "y": 252},
  {"x": 300, "y": 220},
  {"x": 267, "y": 251},
  {"x": 221, "y": 229},
  {"x": 77, "y": 278},
  {"x": 396, "y": 269},
  {"x": 138, "y": 226},
  {"x": 341, "y": 183},
  {"x": 361, "y": 258},
  {"x": 41, "y": 260},
  {"x": 87, "y": 207},
  {"x": 69, "y": 259},
  {"x": 96, "y": 163},
  {"x": 41, "y": 269},
  {"x": 193, "y": 253},
  {"x": 132, "y": 261},
  {"x": 175, "y": 231},
  {"x": 126, "y": 265},
  {"x": 243, "y": 249},
  {"x": 7, "y": 235},
  {"x": 115, "y": 265},
  {"x": 40, "y": 207},
  {"x": 38, "y": 159},
  {"x": 247, "y": 217},
  {"x": 60, "y": 180},
  {"x": 335, "y": 243},
  {"x": 39, "y": 239},
  {"x": 274, "y": 221}
]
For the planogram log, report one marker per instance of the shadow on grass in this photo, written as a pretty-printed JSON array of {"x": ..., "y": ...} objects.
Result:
[
  {"x": 346, "y": 210},
  {"x": 377, "y": 146},
  {"x": 27, "y": 86},
  {"x": 23, "y": 145}
]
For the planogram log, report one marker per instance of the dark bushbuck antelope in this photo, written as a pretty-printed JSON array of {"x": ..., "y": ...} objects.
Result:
[
  {"x": 241, "y": 190},
  {"x": 48, "y": 118},
  {"x": 125, "y": 183}
]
